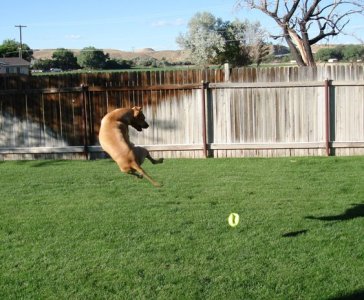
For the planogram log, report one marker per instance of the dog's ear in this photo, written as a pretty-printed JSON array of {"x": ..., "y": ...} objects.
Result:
[{"x": 137, "y": 110}]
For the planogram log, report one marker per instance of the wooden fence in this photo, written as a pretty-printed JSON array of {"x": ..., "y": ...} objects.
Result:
[{"x": 282, "y": 111}]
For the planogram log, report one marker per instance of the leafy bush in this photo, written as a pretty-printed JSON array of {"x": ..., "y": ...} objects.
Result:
[
  {"x": 116, "y": 64},
  {"x": 43, "y": 64},
  {"x": 64, "y": 59},
  {"x": 328, "y": 53},
  {"x": 92, "y": 58},
  {"x": 353, "y": 52},
  {"x": 342, "y": 52}
]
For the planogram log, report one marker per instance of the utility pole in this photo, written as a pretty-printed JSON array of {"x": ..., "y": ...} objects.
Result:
[{"x": 21, "y": 41}]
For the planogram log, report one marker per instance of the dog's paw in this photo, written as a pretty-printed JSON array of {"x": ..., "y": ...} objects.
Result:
[{"x": 157, "y": 184}]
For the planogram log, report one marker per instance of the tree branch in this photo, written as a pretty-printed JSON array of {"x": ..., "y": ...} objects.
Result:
[{"x": 298, "y": 20}]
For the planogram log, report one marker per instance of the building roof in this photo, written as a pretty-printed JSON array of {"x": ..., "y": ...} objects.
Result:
[{"x": 14, "y": 61}]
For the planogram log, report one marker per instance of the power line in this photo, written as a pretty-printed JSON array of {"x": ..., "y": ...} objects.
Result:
[{"x": 21, "y": 42}]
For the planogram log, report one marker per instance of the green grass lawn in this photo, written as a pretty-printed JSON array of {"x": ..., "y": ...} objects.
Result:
[{"x": 83, "y": 230}]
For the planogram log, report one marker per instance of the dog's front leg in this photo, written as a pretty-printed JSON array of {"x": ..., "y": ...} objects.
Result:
[
  {"x": 144, "y": 174},
  {"x": 134, "y": 173}
]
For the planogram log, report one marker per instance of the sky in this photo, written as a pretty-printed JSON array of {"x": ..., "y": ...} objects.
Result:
[{"x": 123, "y": 25}]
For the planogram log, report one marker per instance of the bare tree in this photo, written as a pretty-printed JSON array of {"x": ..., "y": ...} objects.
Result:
[{"x": 306, "y": 22}]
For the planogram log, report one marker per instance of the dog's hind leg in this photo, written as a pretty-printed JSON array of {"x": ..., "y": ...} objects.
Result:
[
  {"x": 154, "y": 161},
  {"x": 142, "y": 153}
]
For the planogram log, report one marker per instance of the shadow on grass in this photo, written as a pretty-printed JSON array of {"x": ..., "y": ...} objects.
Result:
[
  {"x": 353, "y": 296},
  {"x": 295, "y": 233},
  {"x": 50, "y": 162},
  {"x": 46, "y": 163},
  {"x": 357, "y": 211}
]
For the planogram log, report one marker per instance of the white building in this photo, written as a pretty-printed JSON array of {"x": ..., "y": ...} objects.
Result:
[{"x": 14, "y": 65}]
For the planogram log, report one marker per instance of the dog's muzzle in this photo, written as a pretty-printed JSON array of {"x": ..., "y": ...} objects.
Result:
[
  {"x": 140, "y": 127},
  {"x": 145, "y": 125}
]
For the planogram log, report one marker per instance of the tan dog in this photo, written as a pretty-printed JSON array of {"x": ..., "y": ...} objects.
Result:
[{"x": 114, "y": 139}]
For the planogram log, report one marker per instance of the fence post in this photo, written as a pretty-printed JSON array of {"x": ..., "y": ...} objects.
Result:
[
  {"x": 203, "y": 107},
  {"x": 327, "y": 117},
  {"x": 226, "y": 72},
  {"x": 84, "y": 112}
]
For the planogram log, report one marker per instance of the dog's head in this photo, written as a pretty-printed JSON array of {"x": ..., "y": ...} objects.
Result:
[{"x": 136, "y": 119}]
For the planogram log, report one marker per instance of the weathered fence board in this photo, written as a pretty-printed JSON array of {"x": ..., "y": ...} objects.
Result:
[{"x": 277, "y": 111}]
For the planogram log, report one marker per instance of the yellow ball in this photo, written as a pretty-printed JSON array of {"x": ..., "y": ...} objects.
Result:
[{"x": 233, "y": 219}]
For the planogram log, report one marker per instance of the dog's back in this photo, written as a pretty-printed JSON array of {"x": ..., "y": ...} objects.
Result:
[{"x": 113, "y": 135}]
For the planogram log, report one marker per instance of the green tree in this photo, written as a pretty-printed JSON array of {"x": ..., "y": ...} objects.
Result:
[
  {"x": 64, "y": 59},
  {"x": 117, "y": 64},
  {"x": 213, "y": 41},
  {"x": 353, "y": 52},
  {"x": 326, "y": 53},
  {"x": 92, "y": 58},
  {"x": 235, "y": 49},
  {"x": 43, "y": 64},
  {"x": 10, "y": 48},
  {"x": 204, "y": 40}
]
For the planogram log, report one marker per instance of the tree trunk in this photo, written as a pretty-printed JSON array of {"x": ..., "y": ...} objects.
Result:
[
  {"x": 302, "y": 47},
  {"x": 296, "y": 55}
]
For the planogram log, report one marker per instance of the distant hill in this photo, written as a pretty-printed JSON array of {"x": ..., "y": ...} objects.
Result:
[
  {"x": 174, "y": 56},
  {"x": 170, "y": 55}
]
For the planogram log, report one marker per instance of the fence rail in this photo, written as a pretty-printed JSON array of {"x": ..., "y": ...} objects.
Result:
[{"x": 283, "y": 111}]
